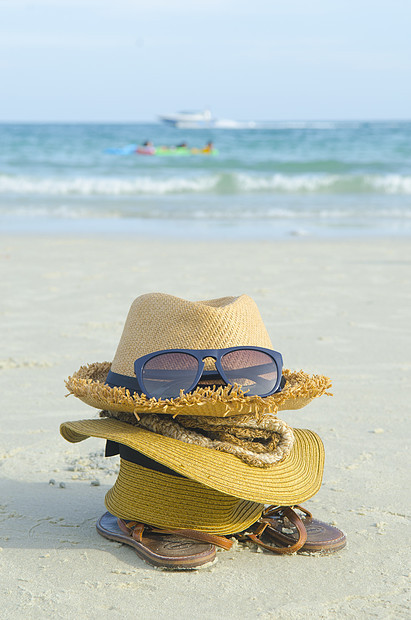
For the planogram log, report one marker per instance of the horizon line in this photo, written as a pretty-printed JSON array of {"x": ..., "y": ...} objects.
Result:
[{"x": 156, "y": 122}]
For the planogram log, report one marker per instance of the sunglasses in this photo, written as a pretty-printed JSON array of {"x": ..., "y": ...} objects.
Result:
[{"x": 163, "y": 374}]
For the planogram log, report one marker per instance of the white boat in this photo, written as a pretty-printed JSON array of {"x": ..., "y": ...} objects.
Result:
[
  {"x": 188, "y": 120},
  {"x": 202, "y": 120}
]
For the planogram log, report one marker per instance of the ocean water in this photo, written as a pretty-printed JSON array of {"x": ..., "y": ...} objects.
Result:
[{"x": 278, "y": 180}]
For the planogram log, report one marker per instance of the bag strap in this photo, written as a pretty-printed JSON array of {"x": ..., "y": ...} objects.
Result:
[{"x": 275, "y": 510}]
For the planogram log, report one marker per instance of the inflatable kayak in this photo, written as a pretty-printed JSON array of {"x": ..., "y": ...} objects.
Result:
[
  {"x": 123, "y": 150},
  {"x": 160, "y": 151},
  {"x": 182, "y": 151}
]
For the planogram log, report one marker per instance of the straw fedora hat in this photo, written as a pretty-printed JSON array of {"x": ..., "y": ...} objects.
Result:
[{"x": 158, "y": 321}]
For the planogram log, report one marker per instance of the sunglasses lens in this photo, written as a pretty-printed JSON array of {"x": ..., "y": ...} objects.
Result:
[
  {"x": 166, "y": 374},
  {"x": 255, "y": 371}
]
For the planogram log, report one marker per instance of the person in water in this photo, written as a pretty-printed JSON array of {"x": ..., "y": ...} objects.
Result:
[
  {"x": 208, "y": 147},
  {"x": 147, "y": 148}
]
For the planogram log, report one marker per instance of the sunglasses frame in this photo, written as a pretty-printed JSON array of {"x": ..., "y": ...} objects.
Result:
[{"x": 200, "y": 355}]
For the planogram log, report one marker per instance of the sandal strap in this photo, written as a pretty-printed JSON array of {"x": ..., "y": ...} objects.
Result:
[
  {"x": 265, "y": 522},
  {"x": 136, "y": 529},
  {"x": 132, "y": 528},
  {"x": 214, "y": 539}
]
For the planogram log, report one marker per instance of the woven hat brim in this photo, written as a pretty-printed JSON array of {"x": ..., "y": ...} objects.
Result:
[
  {"x": 292, "y": 481},
  {"x": 88, "y": 385},
  {"x": 167, "y": 501}
]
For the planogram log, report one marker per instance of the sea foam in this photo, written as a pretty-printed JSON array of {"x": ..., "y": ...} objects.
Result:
[{"x": 223, "y": 183}]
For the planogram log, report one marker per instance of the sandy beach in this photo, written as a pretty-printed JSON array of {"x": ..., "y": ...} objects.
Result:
[{"x": 336, "y": 307}]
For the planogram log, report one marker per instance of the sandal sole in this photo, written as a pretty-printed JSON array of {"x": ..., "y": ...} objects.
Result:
[
  {"x": 321, "y": 537},
  {"x": 161, "y": 551}
]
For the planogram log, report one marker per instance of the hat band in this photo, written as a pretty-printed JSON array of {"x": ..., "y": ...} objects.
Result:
[
  {"x": 114, "y": 379},
  {"x": 138, "y": 458}
]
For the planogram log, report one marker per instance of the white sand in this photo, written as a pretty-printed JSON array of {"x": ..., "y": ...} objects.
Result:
[{"x": 340, "y": 308}]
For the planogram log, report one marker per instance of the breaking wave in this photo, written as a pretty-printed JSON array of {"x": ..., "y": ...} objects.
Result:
[{"x": 220, "y": 183}]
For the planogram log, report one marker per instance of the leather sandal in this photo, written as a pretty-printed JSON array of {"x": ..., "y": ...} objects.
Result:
[
  {"x": 292, "y": 533},
  {"x": 173, "y": 549}
]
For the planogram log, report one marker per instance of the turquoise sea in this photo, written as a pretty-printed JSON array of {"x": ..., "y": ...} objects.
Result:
[{"x": 277, "y": 180}]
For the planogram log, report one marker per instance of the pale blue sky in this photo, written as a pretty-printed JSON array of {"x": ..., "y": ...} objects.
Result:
[{"x": 128, "y": 60}]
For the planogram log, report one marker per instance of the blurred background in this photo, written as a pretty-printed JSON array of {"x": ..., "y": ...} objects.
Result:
[{"x": 294, "y": 119}]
